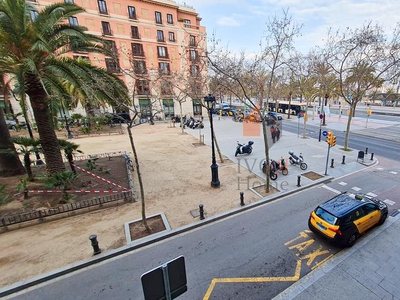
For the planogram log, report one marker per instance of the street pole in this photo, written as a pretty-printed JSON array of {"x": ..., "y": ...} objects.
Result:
[
  {"x": 210, "y": 100},
  {"x": 327, "y": 160}
]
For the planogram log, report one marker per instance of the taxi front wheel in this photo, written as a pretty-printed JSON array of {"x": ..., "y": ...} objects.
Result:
[
  {"x": 382, "y": 219},
  {"x": 352, "y": 239}
]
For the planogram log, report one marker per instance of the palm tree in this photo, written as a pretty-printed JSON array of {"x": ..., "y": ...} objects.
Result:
[
  {"x": 33, "y": 48},
  {"x": 69, "y": 150},
  {"x": 27, "y": 147}
]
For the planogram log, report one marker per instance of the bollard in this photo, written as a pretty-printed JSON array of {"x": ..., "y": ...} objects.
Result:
[
  {"x": 201, "y": 210},
  {"x": 343, "y": 159},
  {"x": 366, "y": 150},
  {"x": 25, "y": 194},
  {"x": 241, "y": 199},
  {"x": 332, "y": 162},
  {"x": 372, "y": 156},
  {"x": 298, "y": 180},
  {"x": 95, "y": 244}
]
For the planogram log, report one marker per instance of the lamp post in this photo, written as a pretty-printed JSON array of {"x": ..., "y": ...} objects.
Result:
[
  {"x": 326, "y": 105},
  {"x": 69, "y": 134},
  {"x": 210, "y": 100}
]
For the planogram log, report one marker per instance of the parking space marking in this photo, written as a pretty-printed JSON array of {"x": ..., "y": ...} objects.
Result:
[
  {"x": 357, "y": 189},
  {"x": 371, "y": 194},
  {"x": 295, "y": 277},
  {"x": 343, "y": 183},
  {"x": 331, "y": 189},
  {"x": 389, "y": 202}
]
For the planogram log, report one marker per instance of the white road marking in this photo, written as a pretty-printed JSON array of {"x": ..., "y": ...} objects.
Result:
[
  {"x": 372, "y": 194},
  {"x": 393, "y": 172},
  {"x": 343, "y": 183},
  {"x": 357, "y": 189},
  {"x": 390, "y": 202},
  {"x": 331, "y": 189},
  {"x": 379, "y": 169}
]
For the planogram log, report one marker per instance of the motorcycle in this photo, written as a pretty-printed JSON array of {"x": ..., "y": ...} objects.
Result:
[
  {"x": 297, "y": 160},
  {"x": 274, "y": 167},
  {"x": 198, "y": 125},
  {"x": 244, "y": 149}
]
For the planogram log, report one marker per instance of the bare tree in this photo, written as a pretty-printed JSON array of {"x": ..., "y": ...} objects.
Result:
[
  {"x": 253, "y": 80},
  {"x": 362, "y": 59}
]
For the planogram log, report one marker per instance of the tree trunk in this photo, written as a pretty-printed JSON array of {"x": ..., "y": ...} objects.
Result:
[
  {"x": 139, "y": 175},
  {"x": 47, "y": 135},
  {"x": 10, "y": 164}
]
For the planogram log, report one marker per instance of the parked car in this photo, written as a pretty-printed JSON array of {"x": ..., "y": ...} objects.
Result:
[
  {"x": 11, "y": 124},
  {"x": 274, "y": 115},
  {"x": 119, "y": 118},
  {"x": 344, "y": 218}
]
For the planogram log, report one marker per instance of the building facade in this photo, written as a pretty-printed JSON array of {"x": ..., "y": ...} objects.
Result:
[{"x": 157, "y": 47}]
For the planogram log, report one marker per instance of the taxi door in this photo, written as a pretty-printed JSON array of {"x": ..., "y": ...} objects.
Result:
[
  {"x": 360, "y": 220},
  {"x": 373, "y": 213}
]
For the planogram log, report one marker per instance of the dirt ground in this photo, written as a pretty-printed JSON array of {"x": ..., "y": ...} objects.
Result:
[{"x": 176, "y": 176}]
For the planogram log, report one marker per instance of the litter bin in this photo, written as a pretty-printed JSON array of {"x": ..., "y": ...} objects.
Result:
[{"x": 360, "y": 155}]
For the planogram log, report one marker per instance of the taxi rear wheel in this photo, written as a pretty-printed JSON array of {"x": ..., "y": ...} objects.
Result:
[
  {"x": 352, "y": 239},
  {"x": 382, "y": 219}
]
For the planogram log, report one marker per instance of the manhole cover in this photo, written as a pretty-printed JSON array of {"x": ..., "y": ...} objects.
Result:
[{"x": 312, "y": 175}]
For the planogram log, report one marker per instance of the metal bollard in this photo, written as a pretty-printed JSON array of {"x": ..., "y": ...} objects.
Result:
[
  {"x": 366, "y": 150},
  {"x": 241, "y": 199},
  {"x": 343, "y": 159},
  {"x": 372, "y": 156},
  {"x": 332, "y": 162},
  {"x": 298, "y": 180},
  {"x": 95, "y": 244},
  {"x": 201, "y": 210}
]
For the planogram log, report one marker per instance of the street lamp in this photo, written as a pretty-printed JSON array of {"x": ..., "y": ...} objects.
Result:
[
  {"x": 210, "y": 100},
  {"x": 326, "y": 105},
  {"x": 69, "y": 134}
]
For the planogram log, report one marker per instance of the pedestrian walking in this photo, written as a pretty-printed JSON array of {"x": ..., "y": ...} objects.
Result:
[
  {"x": 272, "y": 130},
  {"x": 277, "y": 133}
]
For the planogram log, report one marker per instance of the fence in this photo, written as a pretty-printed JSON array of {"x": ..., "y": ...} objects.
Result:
[{"x": 42, "y": 214}]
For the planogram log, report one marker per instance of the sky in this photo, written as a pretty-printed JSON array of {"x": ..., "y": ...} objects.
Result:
[{"x": 240, "y": 25}]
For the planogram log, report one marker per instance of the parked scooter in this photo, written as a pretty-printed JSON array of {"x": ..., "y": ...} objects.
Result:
[
  {"x": 274, "y": 167},
  {"x": 244, "y": 149},
  {"x": 297, "y": 160},
  {"x": 198, "y": 125}
]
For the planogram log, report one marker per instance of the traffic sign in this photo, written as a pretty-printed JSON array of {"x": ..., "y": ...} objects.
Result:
[
  {"x": 325, "y": 133},
  {"x": 167, "y": 281}
]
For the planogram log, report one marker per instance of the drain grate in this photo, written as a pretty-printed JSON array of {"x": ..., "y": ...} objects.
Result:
[{"x": 394, "y": 213}]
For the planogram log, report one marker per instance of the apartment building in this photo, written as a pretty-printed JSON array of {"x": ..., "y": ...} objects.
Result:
[{"x": 153, "y": 41}]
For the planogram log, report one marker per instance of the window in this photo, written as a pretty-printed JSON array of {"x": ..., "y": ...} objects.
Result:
[
  {"x": 164, "y": 68},
  {"x": 158, "y": 17},
  {"x": 186, "y": 23},
  {"x": 73, "y": 21},
  {"x": 111, "y": 46},
  {"x": 160, "y": 36},
  {"x": 137, "y": 49},
  {"x": 135, "y": 32},
  {"x": 132, "y": 12},
  {"x": 112, "y": 65},
  {"x": 162, "y": 52},
  {"x": 192, "y": 41},
  {"x": 171, "y": 36},
  {"x": 194, "y": 70},
  {"x": 145, "y": 108},
  {"x": 139, "y": 67},
  {"x": 170, "y": 19},
  {"x": 197, "y": 107},
  {"x": 81, "y": 57},
  {"x": 142, "y": 87},
  {"x": 106, "y": 28},
  {"x": 369, "y": 208},
  {"x": 102, "y": 7},
  {"x": 69, "y": 1},
  {"x": 166, "y": 88},
  {"x": 33, "y": 14},
  {"x": 168, "y": 105},
  {"x": 193, "y": 55}
]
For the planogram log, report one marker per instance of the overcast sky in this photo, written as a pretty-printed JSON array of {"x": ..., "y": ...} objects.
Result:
[{"x": 240, "y": 25}]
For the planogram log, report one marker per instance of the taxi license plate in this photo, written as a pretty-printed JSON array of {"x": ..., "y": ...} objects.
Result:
[{"x": 322, "y": 227}]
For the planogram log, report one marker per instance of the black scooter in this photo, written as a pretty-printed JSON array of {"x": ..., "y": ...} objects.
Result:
[{"x": 244, "y": 149}]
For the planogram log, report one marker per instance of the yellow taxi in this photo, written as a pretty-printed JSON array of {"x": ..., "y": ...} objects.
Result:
[{"x": 345, "y": 217}]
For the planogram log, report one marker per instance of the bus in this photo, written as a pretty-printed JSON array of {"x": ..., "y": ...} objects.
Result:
[{"x": 295, "y": 107}]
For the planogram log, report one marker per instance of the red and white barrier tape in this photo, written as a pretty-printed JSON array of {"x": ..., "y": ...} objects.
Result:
[
  {"x": 75, "y": 191},
  {"x": 101, "y": 178}
]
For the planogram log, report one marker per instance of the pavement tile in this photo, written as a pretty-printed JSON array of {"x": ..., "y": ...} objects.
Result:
[{"x": 377, "y": 290}]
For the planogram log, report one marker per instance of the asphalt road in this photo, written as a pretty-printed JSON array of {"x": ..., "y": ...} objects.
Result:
[{"x": 268, "y": 242}]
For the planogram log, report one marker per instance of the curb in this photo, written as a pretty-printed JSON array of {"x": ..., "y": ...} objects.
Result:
[{"x": 19, "y": 286}]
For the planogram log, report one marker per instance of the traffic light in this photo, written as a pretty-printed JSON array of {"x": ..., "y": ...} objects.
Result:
[
  {"x": 333, "y": 141},
  {"x": 329, "y": 137}
]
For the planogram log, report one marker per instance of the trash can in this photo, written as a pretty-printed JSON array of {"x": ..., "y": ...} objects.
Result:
[{"x": 360, "y": 155}]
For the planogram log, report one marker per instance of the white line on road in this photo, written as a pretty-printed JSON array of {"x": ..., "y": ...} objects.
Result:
[{"x": 331, "y": 189}]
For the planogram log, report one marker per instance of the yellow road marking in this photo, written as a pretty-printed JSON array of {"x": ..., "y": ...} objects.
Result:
[{"x": 252, "y": 279}]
